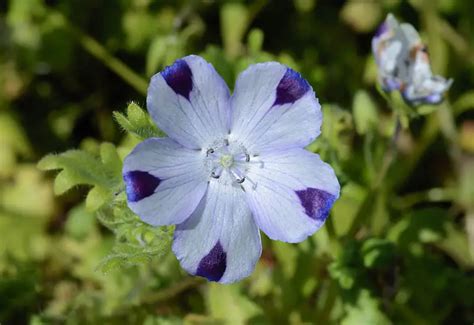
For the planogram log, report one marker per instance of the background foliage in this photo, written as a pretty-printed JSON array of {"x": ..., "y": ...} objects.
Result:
[{"x": 398, "y": 247}]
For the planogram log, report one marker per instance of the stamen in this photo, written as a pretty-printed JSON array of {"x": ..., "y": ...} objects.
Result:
[{"x": 254, "y": 185}]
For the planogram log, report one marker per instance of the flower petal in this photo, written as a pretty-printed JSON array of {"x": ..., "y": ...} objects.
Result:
[
  {"x": 290, "y": 193},
  {"x": 273, "y": 107},
  {"x": 164, "y": 181},
  {"x": 220, "y": 241},
  {"x": 424, "y": 88},
  {"x": 190, "y": 102}
]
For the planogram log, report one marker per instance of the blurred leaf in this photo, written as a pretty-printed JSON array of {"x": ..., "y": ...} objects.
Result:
[
  {"x": 80, "y": 222},
  {"x": 364, "y": 111},
  {"x": 255, "y": 41},
  {"x": 363, "y": 16},
  {"x": 227, "y": 303},
  {"x": 377, "y": 252},
  {"x": 365, "y": 311},
  {"x": 464, "y": 103},
  {"x": 234, "y": 22},
  {"x": 27, "y": 185},
  {"x": 304, "y": 5}
]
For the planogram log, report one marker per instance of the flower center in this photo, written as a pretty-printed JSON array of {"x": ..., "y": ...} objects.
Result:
[
  {"x": 230, "y": 159},
  {"x": 227, "y": 160}
]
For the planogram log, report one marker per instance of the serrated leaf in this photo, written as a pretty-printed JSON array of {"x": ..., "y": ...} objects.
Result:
[
  {"x": 97, "y": 197},
  {"x": 137, "y": 122},
  {"x": 110, "y": 158}
]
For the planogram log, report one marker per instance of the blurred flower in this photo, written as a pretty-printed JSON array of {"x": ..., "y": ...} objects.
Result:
[
  {"x": 231, "y": 165},
  {"x": 404, "y": 64}
]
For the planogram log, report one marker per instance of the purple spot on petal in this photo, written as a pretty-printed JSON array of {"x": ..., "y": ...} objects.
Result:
[
  {"x": 139, "y": 184},
  {"x": 316, "y": 203},
  {"x": 381, "y": 29},
  {"x": 291, "y": 88},
  {"x": 213, "y": 265},
  {"x": 179, "y": 77},
  {"x": 434, "y": 98},
  {"x": 390, "y": 84}
]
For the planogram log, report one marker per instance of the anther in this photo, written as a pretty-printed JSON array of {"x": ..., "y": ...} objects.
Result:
[
  {"x": 247, "y": 157},
  {"x": 209, "y": 151},
  {"x": 214, "y": 175},
  {"x": 241, "y": 180}
]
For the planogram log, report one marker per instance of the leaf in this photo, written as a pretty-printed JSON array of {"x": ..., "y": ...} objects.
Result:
[
  {"x": 377, "y": 252},
  {"x": 135, "y": 241},
  {"x": 255, "y": 41},
  {"x": 83, "y": 168},
  {"x": 97, "y": 197},
  {"x": 228, "y": 304},
  {"x": 365, "y": 112},
  {"x": 365, "y": 311},
  {"x": 234, "y": 22},
  {"x": 79, "y": 222},
  {"x": 363, "y": 16},
  {"x": 137, "y": 122}
]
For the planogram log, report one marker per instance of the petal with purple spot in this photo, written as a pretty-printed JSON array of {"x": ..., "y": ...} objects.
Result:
[
  {"x": 220, "y": 241},
  {"x": 291, "y": 88},
  {"x": 164, "y": 181},
  {"x": 317, "y": 203},
  {"x": 139, "y": 184},
  {"x": 190, "y": 102},
  {"x": 274, "y": 108},
  {"x": 179, "y": 77},
  {"x": 290, "y": 193},
  {"x": 213, "y": 265}
]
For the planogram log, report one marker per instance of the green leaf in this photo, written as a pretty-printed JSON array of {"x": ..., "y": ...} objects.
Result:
[
  {"x": 366, "y": 311},
  {"x": 137, "y": 122},
  {"x": 234, "y": 22},
  {"x": 83, "y": 168},
  {"x": 97, "y": 197},
  {"x": 227, "y": 303},
  {"x": 79, "y": 222},
  {"x": 255, "y": 41},
  {"x": 377, "y": 252},
  {"x": 365, "y": 112}
]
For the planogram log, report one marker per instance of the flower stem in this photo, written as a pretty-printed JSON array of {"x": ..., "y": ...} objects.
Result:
[
  {"x": 97, "y": 50},
  {"x": 367, "y": 204}
]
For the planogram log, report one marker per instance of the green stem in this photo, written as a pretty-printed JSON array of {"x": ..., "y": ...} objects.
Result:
[
  {"x": 100, "y": 53},
  {"x": 368, "y": 203},
  {"x": 428, "y": 134},
  {"x": 324, "y": 315},
  {"x": 431, "y": 195}
]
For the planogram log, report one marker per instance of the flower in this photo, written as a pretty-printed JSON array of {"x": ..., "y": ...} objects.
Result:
[
  {"x": 231, "y": 165},
  {"x": 404, "y": 65}
]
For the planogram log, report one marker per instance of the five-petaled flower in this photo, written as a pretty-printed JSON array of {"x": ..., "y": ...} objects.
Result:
[
  {"x": 231, "y": 165},
  {"x": 404, "y": 65}
]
